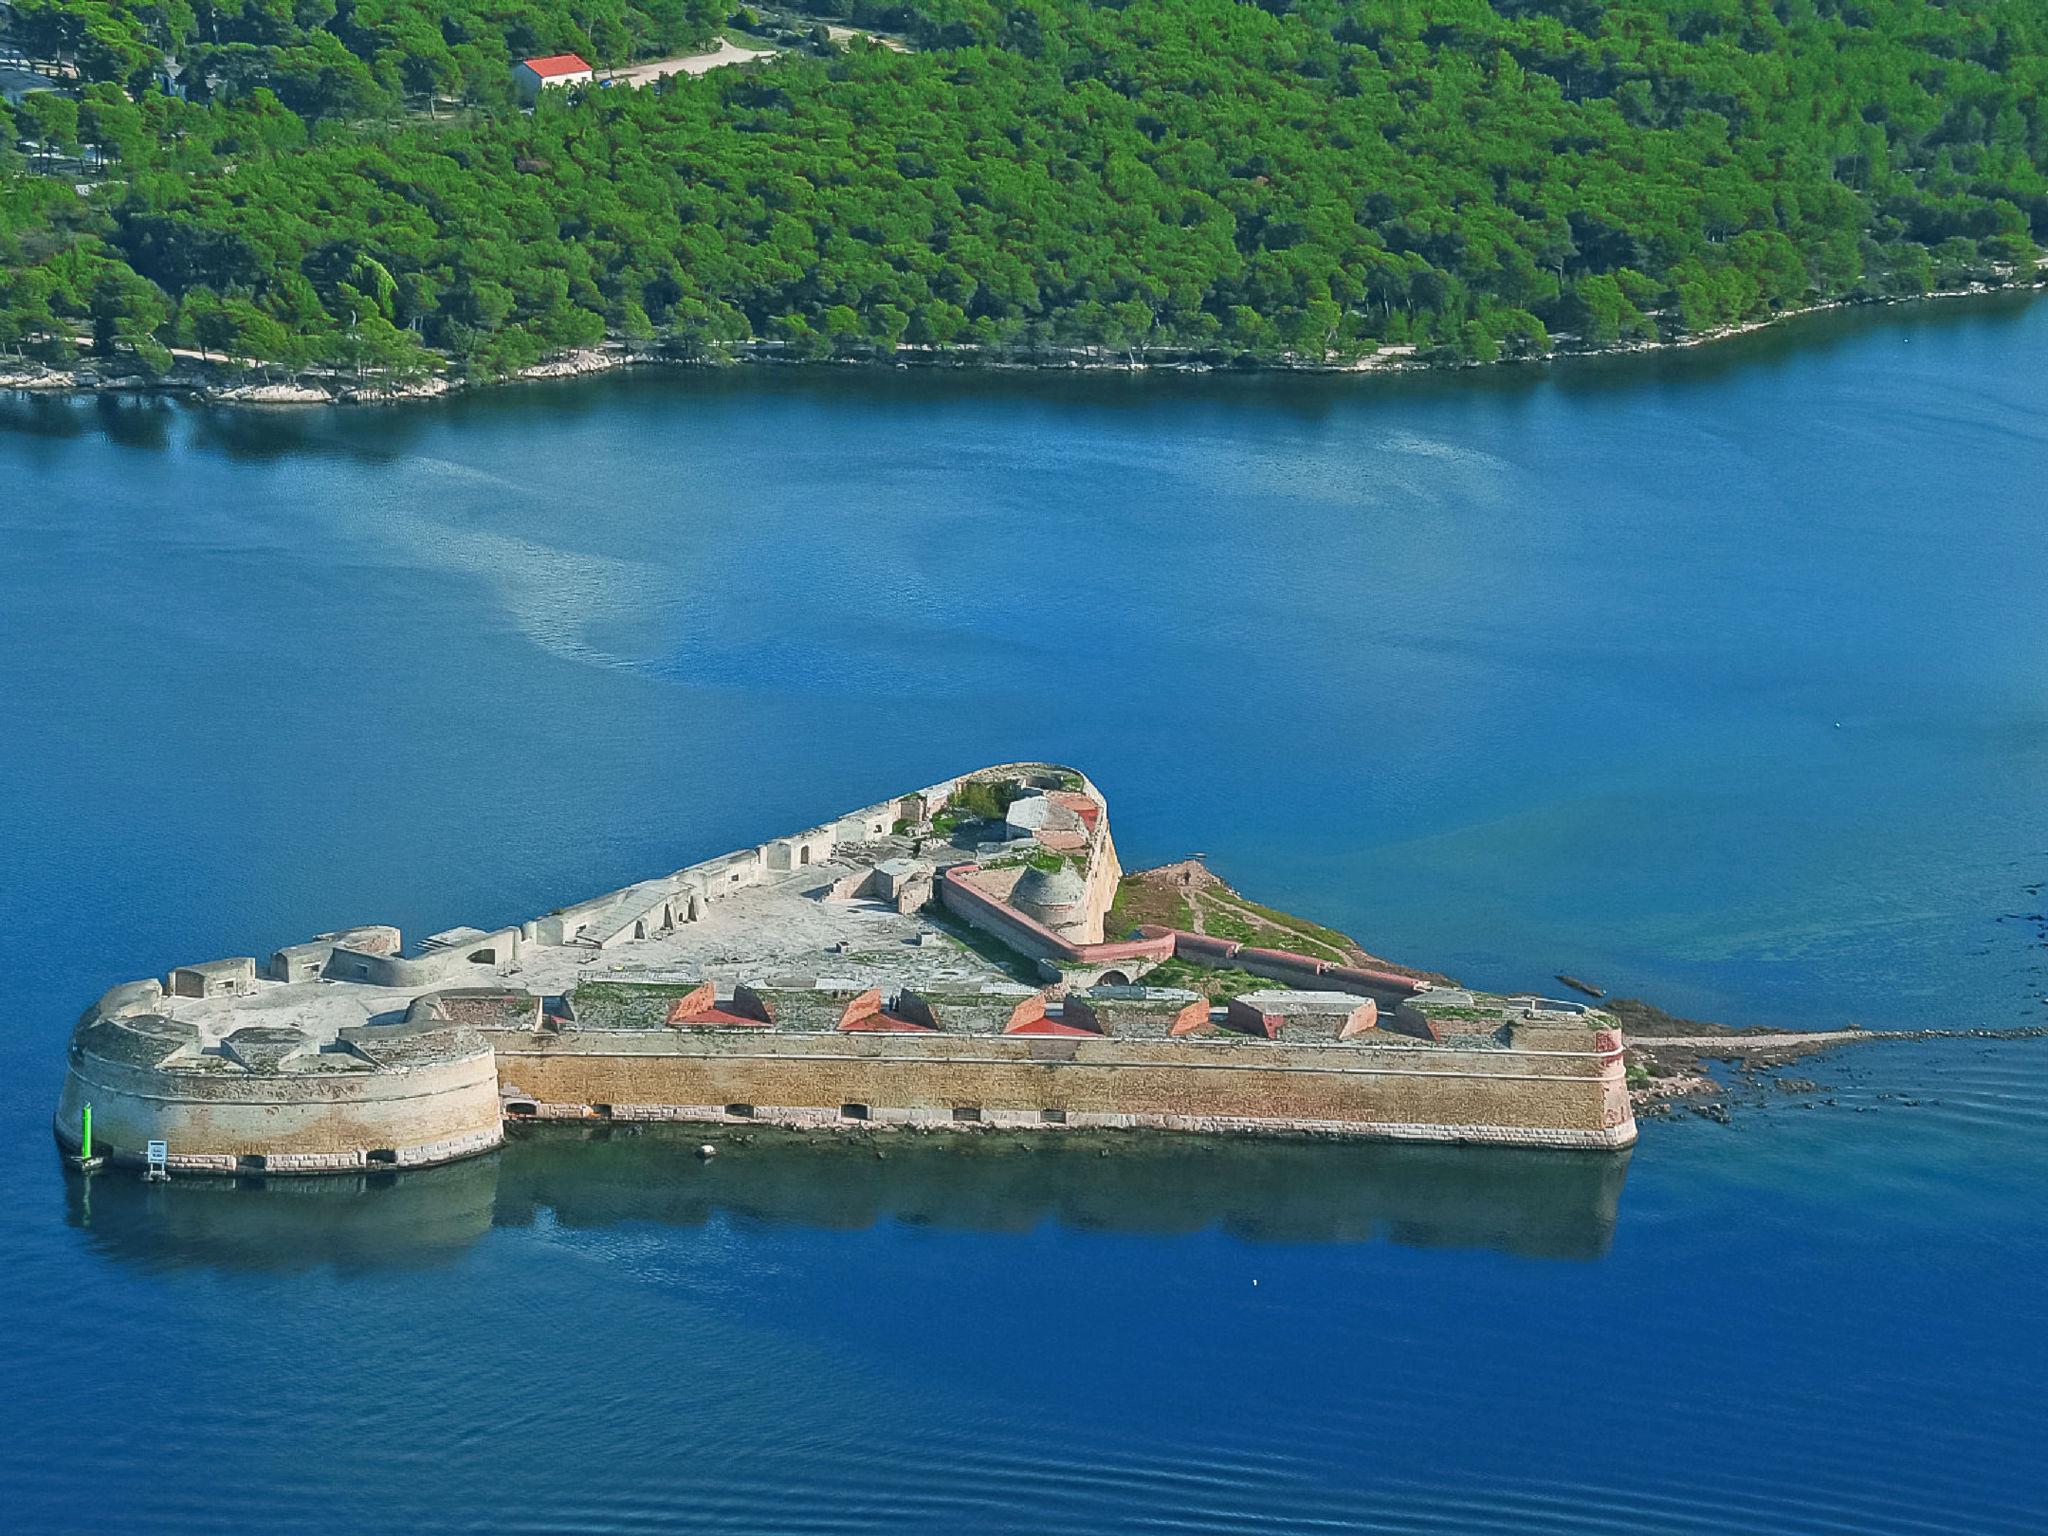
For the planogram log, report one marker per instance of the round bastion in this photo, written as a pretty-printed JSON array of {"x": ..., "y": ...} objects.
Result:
[
  {"x": 276, "y": 1089},
  {"x": 1057, "y": 898}
]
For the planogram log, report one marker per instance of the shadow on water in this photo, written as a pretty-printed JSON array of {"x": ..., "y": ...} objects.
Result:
[{"x": 1549, "y": 1205}]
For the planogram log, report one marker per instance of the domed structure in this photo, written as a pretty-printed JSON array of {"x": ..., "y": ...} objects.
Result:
[{"x": 1057, "y": 898}]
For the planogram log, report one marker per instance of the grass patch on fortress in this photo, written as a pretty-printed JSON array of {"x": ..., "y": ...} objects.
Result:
[
  {"x": 986, "y": 799},
  {"x": 1216, "y": 985},
  {"x": 1190, "y": 897},
  {"x": 1141, "y": 900},
  {"x": 1299, "y": 930},
  {"x": 627, "y": 1004},
  {"x": 1043, "y": 859}
]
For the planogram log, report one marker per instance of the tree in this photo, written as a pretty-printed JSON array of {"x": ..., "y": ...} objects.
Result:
[
  {"x": 126, "y": 310},
  {"x": 52, "y": 120}
]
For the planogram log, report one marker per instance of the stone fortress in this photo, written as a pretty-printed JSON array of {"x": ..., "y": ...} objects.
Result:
[{"x": 938, "y": 960}]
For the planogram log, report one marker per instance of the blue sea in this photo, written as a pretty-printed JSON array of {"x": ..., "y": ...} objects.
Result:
[{"x": 1716, "y": 678}]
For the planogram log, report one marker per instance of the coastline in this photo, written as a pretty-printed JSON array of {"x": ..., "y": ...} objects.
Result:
[{"x": 224, "y": 383}]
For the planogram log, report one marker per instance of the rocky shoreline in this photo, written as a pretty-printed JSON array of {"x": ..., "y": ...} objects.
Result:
[
  {"x": 1670, "y": 1072},
  {"x": 230, "y": 383}
]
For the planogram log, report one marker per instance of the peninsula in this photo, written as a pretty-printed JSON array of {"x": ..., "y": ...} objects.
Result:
[{"x": 967, "y": 956}]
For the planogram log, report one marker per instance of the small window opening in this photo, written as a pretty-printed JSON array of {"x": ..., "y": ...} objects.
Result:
[
  {"x": 853, "y": 1111},
  {"x": 740, "y": 1111},
  {"x": 967, "y": 1114},
  {"x": 1053, "y": 1116},
  {"x": 381, "y": 1155}
]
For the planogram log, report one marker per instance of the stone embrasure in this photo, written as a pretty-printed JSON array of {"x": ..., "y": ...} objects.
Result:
[{"x": 798, "y": 983}]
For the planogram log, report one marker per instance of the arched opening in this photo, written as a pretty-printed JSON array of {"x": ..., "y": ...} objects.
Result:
[
  {"x": 385, "y": 1155},
  {"x": 853, "y": 1111},
  {"x": 251, "y": 1162},
  {"x": 740, "y": 1111},
  {"x": 521, "y": 1109},
  {"x": 639, "y": 928},
  {"x": 1114, "y": 979},
  {"x": 805, "y": 857},
  {"x": 483, "y": 957}
]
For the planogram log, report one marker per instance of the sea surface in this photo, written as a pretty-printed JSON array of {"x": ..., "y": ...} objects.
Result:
[{"x": 1717, "y": 678}]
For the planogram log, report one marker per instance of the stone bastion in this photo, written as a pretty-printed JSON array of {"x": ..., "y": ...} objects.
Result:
[{"x": 936, "y": 960}]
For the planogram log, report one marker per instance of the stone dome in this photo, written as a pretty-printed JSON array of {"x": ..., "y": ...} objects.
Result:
[{"x": 1049, "y": 895}]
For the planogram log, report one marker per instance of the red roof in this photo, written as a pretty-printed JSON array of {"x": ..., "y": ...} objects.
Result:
[{"x": 557, "y": 64}]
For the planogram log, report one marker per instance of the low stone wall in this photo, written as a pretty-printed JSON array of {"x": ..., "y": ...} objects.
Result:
[{"x": 1523, "y": 1097}]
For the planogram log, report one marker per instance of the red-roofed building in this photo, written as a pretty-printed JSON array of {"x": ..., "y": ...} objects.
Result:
[{"x": 531, "y": 76}]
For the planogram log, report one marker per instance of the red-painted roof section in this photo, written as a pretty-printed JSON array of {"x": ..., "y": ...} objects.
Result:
[
  {"x": 557, "y": 64},
  {"x": 718, "y": 1018},
  {"x": 883, "y": 1024},
  {"x": 1079, "y": 804}
]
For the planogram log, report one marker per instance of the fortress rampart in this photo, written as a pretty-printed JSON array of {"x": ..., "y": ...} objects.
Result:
[
  {"x": 1526, "y": 1096},
  {"x": 350, "y": 1051}
]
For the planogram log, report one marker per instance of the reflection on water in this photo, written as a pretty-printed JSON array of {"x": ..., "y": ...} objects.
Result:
[
  {"x": 1554, "y": 1205},
  {"x": 1536, "y": 1204},
  {"x": 390, "y": 1221}
]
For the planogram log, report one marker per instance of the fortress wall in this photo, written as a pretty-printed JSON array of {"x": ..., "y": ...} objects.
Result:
[
  {"x": 1386, "y": 988},
  {"x": 992, "y": 917},
  {"x": 1278, "y": 965},
  {"x": 868, "y": 824},
  {"x": 1104, "y": 873},
  {"x": 299, "y": 1122},
  {"x": 1197, "y": 948},
  {"x": 1426, "y": 1092},
  {"x": 129, "y": 997},
  {"x": 428, "y": 970}
]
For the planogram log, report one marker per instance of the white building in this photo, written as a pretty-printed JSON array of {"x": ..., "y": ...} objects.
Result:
[{"x": 531, "y": 76}]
